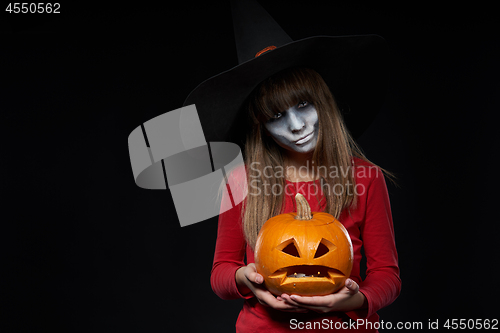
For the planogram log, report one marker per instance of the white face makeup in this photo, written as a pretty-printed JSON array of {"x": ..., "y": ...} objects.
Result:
[{"x": 295, "y": 129}]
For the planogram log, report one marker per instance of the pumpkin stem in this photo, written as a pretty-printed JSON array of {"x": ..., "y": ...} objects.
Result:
[{"x": 303, "y": 208}]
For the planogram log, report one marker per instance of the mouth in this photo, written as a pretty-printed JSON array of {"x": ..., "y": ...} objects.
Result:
[
  {"x": 304, "y": 139},
  {"x": 307, "y": 273}
]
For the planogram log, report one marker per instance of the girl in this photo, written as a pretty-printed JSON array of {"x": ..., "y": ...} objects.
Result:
[{"x": 297, "y": 143}]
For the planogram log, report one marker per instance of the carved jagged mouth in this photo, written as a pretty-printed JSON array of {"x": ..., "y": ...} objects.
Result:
[{"x": 300, "y": 273}]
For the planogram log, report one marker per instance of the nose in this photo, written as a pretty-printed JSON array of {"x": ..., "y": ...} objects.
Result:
[{"x": 295, "y": 121}]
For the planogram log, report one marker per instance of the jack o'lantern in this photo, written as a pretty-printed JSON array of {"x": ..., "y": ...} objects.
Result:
[{"x": 303, "y": 253}]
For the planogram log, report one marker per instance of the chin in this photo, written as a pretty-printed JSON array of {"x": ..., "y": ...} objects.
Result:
[{"x": 304, "y": 150}]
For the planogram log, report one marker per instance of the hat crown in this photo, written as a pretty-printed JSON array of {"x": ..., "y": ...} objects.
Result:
[{"x": 255, "y": 30}]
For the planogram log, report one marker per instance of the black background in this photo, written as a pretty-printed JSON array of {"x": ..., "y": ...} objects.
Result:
[{"x": 85, "y": 250}]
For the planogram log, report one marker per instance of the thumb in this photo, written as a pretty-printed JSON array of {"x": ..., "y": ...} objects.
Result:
[
  {"x": 352, "y": 286},
  {"x": 252, "y": 274}
]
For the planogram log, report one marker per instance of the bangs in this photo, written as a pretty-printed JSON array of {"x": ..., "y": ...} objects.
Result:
[{"x": 286, "y": 89}]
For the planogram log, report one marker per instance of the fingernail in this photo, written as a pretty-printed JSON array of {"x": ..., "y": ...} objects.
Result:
[
  {"x": 348, "y": 282},
  {"x": 258, "y": 279}
]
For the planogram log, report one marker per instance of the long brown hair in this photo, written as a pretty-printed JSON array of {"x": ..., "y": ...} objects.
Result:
[{"x": 334, "y": 148}]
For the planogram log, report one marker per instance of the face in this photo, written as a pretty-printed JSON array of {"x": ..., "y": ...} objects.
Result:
[{"x": 295, "y": 129}]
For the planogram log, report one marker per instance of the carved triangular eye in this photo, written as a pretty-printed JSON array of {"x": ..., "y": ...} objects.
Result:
[
  {"x": 324, "y": 247},
  {"x": 291, "y": 250},
  {"x": 289, "y": 247}
]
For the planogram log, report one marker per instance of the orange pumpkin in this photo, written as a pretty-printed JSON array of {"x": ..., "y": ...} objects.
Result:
[{"x": 303, "y": 253}]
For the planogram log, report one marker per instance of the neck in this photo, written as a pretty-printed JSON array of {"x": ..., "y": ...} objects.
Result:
[{"x": 299, "y": 167}]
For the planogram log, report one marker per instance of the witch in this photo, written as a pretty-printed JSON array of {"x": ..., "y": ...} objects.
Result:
[{"x": 278, "y": 104}]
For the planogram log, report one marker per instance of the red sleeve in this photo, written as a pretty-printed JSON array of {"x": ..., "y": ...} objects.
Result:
[
  {"x": 229, "y": 252},
  {"x": 382, "y": 284}
]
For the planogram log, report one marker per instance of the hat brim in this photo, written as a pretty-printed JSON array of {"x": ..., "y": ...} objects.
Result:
[{"x": 354, "y": 67}]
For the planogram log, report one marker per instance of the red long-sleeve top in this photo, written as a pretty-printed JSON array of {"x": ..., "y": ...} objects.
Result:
[{"x": 369, "y": 225}]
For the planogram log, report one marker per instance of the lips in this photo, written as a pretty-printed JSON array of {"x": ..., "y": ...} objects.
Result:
[{"x": 304, "y": 139}]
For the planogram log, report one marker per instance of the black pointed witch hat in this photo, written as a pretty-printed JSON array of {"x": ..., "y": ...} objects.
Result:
[{"x": 354, "y": 67}]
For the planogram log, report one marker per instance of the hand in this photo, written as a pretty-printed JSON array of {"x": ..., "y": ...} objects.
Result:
[
  {"x": 248, "y": 279},
  {"x": 346, "y": 299}
]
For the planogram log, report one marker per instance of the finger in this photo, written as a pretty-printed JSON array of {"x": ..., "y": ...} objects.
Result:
[
  {"x": 352, "y": 286},
  {"x": 269, "y": 299},
  {"x": 252, "y": 275},
  {"x": 289, "y": 300},
  {"x": 318, "y": 301},
  {"x": 313, "y": 301},
  {"x": 262, "y": 296},
  {"x": 296, "y": 307},
  {"x": 286, "y": 298},
  {"x": 315, "y": 308}
]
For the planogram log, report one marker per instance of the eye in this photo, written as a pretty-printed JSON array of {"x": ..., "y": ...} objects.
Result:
[
  {"x": 291, "y": 250},
  {"x": 289, "y": 247},
  {"x": 324, "y": 247},
  {"x": 302, "y": 104},
  {"x": 277, "y": 115}
]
